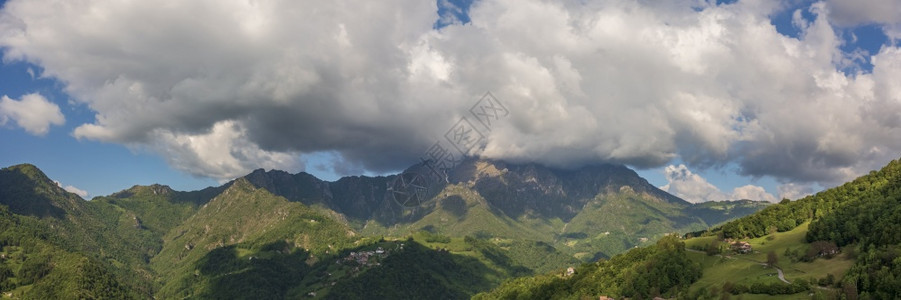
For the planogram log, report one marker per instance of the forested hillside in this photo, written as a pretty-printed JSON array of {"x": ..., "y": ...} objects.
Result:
[
  {"x": 863, "y": 216},
  {"x": 842, "y": 243},
  {"x": 45, "y": 233},
  {"x": 662, "y": 269}
]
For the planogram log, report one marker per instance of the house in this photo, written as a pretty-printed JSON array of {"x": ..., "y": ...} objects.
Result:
[
  {"x": 741, "y": 247},
  {"x": 570, "y": 271}
]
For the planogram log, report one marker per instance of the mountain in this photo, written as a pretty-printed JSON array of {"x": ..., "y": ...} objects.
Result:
[
  {"x": 45, "y": 235},
  {"x": 272, "y": 234},
  {"x": 248, "y": 242},
  {"x": 49, "y": 201},
  {"x": 842, "y": 243},
  {"x": 244, "y": 219},
  {"x": 591, "y": 212},
  {"x": 117, "y": 234},
  {"x": 233, "y": 241},
  {"x": 717, "y": 212}
]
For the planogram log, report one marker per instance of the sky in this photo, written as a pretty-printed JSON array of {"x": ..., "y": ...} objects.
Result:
[{"x": 709, "y": 100}]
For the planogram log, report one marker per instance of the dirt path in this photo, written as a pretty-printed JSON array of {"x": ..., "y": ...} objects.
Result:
[{"x": 781, "y": 275}]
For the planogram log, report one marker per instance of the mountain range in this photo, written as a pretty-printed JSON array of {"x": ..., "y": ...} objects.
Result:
[
  {"x": 594, "y": 211},
  {"x": 271, "y": 234}
]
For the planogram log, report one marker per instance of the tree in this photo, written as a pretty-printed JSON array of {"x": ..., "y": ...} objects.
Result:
[
  {"x": 713, "y": 248},
  {"x": 771, "y": 258},
  {"x": 821, "y": 248},
  {"x": 728, "y": 287},
  {"x": 850, "y": 290}
]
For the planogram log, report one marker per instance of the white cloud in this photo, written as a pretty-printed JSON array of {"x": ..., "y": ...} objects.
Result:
[
  {"x": 71, "y": 189},
  {"x": 225, "y": 150},
  {"x": 588, "y": 81},
  {"x": 32, "y": 112},
  {"x": 694, "y": 188},
  {"x": 690, "y": 186},
  {"x": 794, "y": 191},
  {"x": 752, "y": 192}
]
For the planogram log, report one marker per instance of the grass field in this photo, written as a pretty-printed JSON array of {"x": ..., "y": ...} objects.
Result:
[{"x": 747, "y": 268}]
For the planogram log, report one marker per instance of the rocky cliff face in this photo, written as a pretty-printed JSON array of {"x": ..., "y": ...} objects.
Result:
[{"x": 534, "y": 190}]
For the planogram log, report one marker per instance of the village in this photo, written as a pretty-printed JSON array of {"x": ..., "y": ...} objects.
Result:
[{"x": 366, "y": 258}]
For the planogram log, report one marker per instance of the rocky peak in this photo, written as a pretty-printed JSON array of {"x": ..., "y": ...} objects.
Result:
[{"x": 144, "y": 190}]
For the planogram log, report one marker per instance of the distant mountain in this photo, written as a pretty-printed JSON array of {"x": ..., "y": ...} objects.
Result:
[
  {"x": 717, "y": 212},
  {"x": 592, "y": 212}
]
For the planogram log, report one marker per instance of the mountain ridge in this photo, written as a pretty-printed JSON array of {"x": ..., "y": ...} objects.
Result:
[
  {"x": 526, "y": 194},
  {"x": 518, "y": 199},
  {"x": 492, "y": 217}
]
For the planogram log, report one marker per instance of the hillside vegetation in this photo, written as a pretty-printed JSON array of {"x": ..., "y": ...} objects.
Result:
[
  {"x": 44, "y": 235},
  {"x": 861, "y": 216},
  {"x": 274, "y": 235},
  {"x": 662, "y": 269},
  {"x": 842, "y": 243}
]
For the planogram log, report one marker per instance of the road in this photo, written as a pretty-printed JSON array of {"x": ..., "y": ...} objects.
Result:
[{"x": 781, "y": 275}]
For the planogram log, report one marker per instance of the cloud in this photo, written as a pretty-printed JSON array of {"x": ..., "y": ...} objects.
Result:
[
  {"x": 795, "y": 191},
  {"x": 71, "y": 189},
  {"x": 752, "y": 192},
  {"x": 856, "y": 12},
  {"x": 690, "y": 186},
  {"x": 694, "y": 188},
  {"x": 222, "y": 87},
  {"x": 225, "y": 150},
  {"x": 32, "y": 112}
]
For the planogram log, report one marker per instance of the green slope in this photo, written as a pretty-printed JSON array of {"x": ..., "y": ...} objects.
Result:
[
  {"x": 458, "y": 211},
  {"x": 662, "y": 269},
  {"x": 747, "y": 270},
  {"x": 590, "y": 213},
  {"x": 859, "y": 218},
  {"x": 615, "y": 222},
  {"x": 54, "y": 245},
  {"x": 239, "y": 222},
  {"x": 842, "y": 243}
]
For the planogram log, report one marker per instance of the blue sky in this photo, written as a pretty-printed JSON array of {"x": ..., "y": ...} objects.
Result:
[
  {"x": 98, "y": 149},
  {"x": 99, "y": 168}
]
